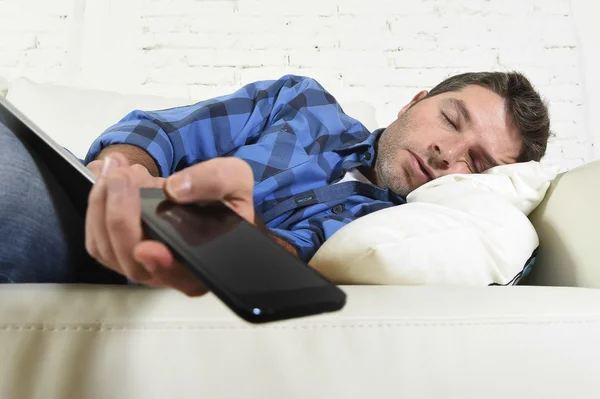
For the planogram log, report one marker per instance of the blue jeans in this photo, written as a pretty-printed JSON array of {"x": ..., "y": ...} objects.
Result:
[{"x": 41, "y": 234}]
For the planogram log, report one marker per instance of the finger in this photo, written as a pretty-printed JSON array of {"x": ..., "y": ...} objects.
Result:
[
  {"x": 159, "y": 261},
  {"x": 226, "y": 179},
  {"x": 144, "y": 178},
  {"x": 119, "y": 159},
  {"x": 96, "y": 237},
  {"x": 123, "y": 225},
  {"x": 211, "y": 180},
  {"x": 95, "y": 167}
]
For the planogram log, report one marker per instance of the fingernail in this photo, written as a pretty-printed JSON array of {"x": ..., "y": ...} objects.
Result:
[
  {"x": 107, "y": 165},
  {"x": 179, "y": 185}
]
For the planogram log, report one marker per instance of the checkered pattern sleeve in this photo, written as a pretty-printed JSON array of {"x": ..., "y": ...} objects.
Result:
[{"x": 179, "y": 137}]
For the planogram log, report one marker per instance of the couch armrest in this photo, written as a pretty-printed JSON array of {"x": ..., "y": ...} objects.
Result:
[
  {"x": 429, "y": 342},
  {"x": 567, "y": 225}
]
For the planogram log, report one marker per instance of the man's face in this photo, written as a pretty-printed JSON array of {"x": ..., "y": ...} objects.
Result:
[{"x": 465, "y": 131}]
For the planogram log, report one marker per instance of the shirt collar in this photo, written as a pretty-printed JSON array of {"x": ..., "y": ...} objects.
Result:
[
  {"x": 367, "y": 140},
  {"x": 364, "y": 146}
]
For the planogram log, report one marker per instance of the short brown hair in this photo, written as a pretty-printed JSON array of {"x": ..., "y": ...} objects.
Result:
[{"x": 527, "y": 109}]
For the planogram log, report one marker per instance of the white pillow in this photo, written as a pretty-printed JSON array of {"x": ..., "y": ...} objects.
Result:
[{"x": 458, "y": 229}]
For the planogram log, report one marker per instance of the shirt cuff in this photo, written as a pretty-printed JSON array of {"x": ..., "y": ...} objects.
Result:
[{"x": 152, "y": 148}]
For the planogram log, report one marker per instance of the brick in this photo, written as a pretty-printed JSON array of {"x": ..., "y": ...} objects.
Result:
[
  {"x": 485, "y": 8},
  {"x": 33, "y": 23},
  {"x": 193, "y": 75},
  {"x": 166, "y": 24},
  {"x": 553, "y": 7},
  {"x": 161, "y": 57},
  {"x": 538, "y": 57},
  {"x": 574, "y": 149},
  {"x": 382, "y": 34},
  {"x": 406, "y": 27},
  {"x": 558, "y": 31},
  {"x": 338, "y": 58},
  {"x": 272, "y": 8},
  {"x": 48, "y": 8},
  {"x": 18, "y": 42},
  {"x": 185, "y": 41},
  {"x": 234, "y": 58},
  {"x": 50, "y": 57},
  {"x": 514, "y": 31},
  {"x": 357, "y": 41},
  {"x": 326, "y": 27},
  {"x": 547, "y": 76},
  {"x": 560, "y": 92},
  {"x": 52, "y": 41},
  {"x": 567, "y": 130},
  {"x": 235, "y": 24},
  {"x": 186, "y": 7},
  {"x": 472, "y": 59},
  {"x": 420, "y": 78},
  {"x": 561, "y": 111},
  {"x": 387, "y": 7},
  {"x": 554, "y": 149},
  {"x": 283, "y": 41}
]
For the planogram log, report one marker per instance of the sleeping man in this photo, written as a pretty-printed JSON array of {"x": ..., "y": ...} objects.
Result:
[{"x": 281, "y": 153}]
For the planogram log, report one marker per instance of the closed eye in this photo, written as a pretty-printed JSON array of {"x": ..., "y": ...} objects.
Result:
[{"x": 448, "y": 121}]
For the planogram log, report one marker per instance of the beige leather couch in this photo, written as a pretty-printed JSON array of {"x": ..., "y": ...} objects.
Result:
[{"x": 76, "y": 342}]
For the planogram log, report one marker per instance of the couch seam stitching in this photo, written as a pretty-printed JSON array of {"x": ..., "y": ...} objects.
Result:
[{"x": 109, "y": 328}]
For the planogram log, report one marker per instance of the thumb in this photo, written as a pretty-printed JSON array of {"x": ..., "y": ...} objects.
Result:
[{"x": 216, "y": 179}]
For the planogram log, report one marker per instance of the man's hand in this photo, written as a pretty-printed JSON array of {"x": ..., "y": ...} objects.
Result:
[
  {"x": 137, "y": 172},
  {"x": 114, "y": 233}
]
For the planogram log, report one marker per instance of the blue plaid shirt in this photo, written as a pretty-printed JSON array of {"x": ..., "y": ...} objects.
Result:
[{"x": 294, "y": 135}]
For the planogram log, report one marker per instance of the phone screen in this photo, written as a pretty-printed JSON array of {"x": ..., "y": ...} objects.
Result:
[{"x": 231, "y": 250}]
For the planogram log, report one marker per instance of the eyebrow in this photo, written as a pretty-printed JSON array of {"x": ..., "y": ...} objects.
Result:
[{"x": 462, "y": 108}]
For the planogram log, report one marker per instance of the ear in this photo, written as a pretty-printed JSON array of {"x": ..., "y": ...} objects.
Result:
[{"x": 420, "y": 95}]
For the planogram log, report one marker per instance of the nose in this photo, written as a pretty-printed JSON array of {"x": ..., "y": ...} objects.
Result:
[{"x": 452, "y": 156}]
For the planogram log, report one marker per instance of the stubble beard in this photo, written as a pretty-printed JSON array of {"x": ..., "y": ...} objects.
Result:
[{"x": 387, "y": 168}]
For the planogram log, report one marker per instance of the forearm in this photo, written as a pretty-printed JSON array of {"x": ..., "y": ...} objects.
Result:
[{"x": 134, "y": 155}]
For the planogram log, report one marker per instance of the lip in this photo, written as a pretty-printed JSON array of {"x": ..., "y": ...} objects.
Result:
[{"x": 417, "y": 164}]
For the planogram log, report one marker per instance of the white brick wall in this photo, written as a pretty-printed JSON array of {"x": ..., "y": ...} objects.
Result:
[{"x": 380, "y": 51}]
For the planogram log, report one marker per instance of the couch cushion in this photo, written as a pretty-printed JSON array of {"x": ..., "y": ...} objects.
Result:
[
  {"x": 92, "y": 342},
  {"x": 74, "y": 117}
]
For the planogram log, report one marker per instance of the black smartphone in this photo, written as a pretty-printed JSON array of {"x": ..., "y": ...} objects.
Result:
[{"x": 255, "y": 277}]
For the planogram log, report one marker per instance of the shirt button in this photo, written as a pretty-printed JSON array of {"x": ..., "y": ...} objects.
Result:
[
  {"x": 337, "y": 209},
  {"x": 367, "y": 156}
]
